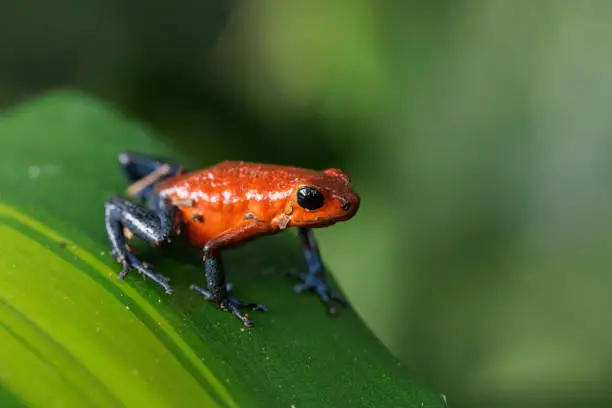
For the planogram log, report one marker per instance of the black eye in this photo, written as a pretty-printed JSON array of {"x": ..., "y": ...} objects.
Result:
[{"x": 309, "y": 198}]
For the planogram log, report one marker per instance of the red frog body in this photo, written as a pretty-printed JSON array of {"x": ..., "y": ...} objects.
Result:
[
  {"x": 229, "y": 194},
  {"x": 223, "y": 206}
]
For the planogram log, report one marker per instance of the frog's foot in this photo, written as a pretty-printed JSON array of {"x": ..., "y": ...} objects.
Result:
[
  {"x": 313, "y": 282},
  {"x": 131, "y": 262},
  {"x": 232, "y": 305}
]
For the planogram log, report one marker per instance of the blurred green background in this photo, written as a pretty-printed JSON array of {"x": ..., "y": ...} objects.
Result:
[{"x": 478, "y": 133}]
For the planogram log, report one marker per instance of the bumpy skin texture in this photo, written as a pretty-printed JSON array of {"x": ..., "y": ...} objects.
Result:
[
  {"x": 231, "y": 194},
  {"x": 225, "y": 206}
]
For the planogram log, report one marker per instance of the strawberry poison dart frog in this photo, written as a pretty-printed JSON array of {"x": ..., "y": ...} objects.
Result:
[{"x": 225, "y": 206}]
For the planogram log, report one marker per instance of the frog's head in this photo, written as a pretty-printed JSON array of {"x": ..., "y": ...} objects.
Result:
[{"x": 322, "y": 200}]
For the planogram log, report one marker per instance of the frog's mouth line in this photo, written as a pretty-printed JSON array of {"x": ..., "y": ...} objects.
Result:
[{"x": 323, "y": 222}]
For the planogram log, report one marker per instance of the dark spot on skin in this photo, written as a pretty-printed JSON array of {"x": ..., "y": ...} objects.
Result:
[
  {"x": 62, "y": 244},
  {"x": 250, "y": 216}
]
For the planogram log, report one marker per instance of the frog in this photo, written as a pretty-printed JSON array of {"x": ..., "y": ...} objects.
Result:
[{"x": 225, "y": 206}]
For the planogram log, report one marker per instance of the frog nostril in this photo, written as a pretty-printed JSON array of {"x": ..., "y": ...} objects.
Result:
[{"x": 346, "y": 206}]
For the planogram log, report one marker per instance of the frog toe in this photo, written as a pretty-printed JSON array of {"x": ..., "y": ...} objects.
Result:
[
  {"x": 313, "y": 282},
  {"x": 233, "y": 305},
  {"x": 131, "y": 262}
]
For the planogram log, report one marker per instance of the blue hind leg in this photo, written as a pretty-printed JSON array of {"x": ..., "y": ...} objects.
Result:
[{"x": 136, "y": 166}]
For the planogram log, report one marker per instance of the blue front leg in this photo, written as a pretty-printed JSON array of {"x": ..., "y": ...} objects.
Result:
[{"x": 314, "y": 280}]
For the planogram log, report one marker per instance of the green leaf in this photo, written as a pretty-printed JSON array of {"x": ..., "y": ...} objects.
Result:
[{"x": 72, "y": 334}]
